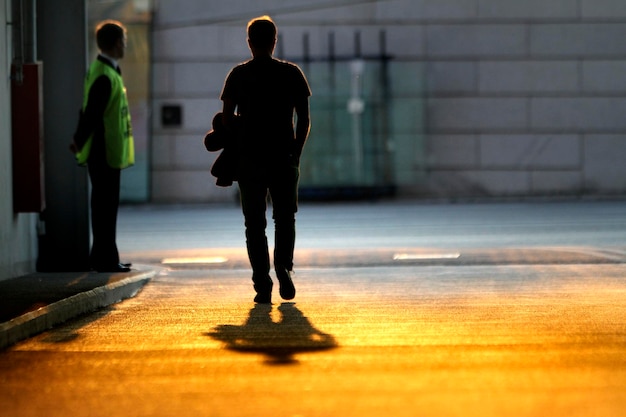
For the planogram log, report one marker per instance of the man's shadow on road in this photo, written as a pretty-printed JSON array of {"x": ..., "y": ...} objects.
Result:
[{"x": 279, "y": 341}]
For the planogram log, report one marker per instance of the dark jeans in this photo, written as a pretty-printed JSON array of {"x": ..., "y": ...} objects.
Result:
[
  {"x": 280, "y": 180},
  {"x": 105, "y": 198}
]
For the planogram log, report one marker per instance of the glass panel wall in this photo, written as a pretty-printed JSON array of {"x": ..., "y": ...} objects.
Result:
[{"x": 359, "y": 144}]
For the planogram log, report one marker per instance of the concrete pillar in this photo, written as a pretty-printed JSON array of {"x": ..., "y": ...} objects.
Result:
[{"x": 61, "y": 45}]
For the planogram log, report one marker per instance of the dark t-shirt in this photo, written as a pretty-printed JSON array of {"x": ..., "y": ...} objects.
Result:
[{"x": 265, "y": 91}]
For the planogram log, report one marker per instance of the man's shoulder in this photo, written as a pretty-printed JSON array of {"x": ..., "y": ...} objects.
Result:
[
  {"x": 100, "y": 67},
  {"x": 240, "y": 70},
  {"x": 242, "y": 66},
  {"x": 276, "y": 66},
  {"x": 98, "y": 75},
  {"x": 288, "y": 71},
  {"x": 286, "y": 64}
]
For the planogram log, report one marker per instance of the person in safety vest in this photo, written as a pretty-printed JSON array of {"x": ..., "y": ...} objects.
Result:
[{"x": 104, "y": 142}]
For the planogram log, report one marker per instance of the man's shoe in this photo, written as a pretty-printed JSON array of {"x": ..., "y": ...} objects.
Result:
[
  {"x": 263, "y": 298},
  {"x": 113, "y": 268},
  {"x": 263, "y": 288},
  {"x": 287, "y": 289}
]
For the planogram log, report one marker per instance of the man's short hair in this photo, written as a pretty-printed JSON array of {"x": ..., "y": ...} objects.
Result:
[
  {"x": 108, "y": 33},
  {"x": 262, "y": 32}
]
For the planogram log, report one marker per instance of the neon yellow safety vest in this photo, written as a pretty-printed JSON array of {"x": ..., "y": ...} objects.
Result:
[{"x": 118, "y": 133}]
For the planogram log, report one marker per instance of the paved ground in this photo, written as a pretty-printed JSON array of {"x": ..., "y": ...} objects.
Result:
[{"x": 402, "y": 309}]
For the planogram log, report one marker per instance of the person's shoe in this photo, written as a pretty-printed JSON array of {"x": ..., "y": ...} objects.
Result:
[
  {"x": 287, "y": 289},
  {"x": 113, "y": 268},
  {"x": 263, "y": 298},
  {"x": 263, "y": 288}
]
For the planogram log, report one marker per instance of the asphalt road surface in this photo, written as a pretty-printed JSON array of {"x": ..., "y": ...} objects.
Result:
[{"x": 402, "y": 309}]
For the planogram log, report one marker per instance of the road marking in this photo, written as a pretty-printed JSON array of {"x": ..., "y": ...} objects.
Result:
[
  {"x": 195, "y": 260},
  {"x": 424, "y": 256}
]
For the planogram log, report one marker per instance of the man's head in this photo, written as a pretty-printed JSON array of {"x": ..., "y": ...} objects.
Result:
[
  {"x": 262, "y": 34},
  {"x": 111, "y": 38}
]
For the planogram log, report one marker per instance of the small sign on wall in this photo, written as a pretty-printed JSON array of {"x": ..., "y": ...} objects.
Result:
[{"x": 171, "y": 115}]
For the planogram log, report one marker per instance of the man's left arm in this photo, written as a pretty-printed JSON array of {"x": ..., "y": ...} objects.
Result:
[
  {"x": 303, "y": 124},
  {"x": 228, "y": 112}
]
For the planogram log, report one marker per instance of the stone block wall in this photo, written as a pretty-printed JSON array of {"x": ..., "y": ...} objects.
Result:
[{"x": 514, "y": 98}]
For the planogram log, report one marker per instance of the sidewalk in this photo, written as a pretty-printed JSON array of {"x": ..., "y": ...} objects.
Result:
[{"x": 33, "y": 303}]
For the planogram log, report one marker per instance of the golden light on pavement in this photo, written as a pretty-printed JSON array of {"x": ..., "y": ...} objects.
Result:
[
  {"x": 505, "y": 340},
  {"x": 403, "y": 340}
]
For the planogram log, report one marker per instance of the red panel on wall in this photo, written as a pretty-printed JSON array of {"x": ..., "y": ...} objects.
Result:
[{"x": 27, "y": 132}]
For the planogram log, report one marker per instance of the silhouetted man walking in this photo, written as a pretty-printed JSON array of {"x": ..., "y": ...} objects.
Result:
[{"x": 265, "y": 92}]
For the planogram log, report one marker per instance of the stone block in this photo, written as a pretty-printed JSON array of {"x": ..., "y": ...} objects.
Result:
[
  {"x": 181, "y": 11},
  {"x": 530, "y": 151},
  {"x": 477, "y": 40},
  {"x": 189, "y": 152},
  {"x": 186, "y": 43},
  {"x": 503, "y": 182},
  {"x": 556, "y": 182},
  {"x": 578, "y": 39},
  {"x": 451, "y": 77},
  {"x": 161, "y": 152},
  {"x": 454, "y": 114},
  {"x": 232, "y": 43},
  {"x": 188, "y": 186},
  {"x": 199, "y": 79},
  {"x": 426, "y": 9},
  {"x": 162, "y": 84},
  {"x": 528, "y": 77},
  {"x": 583, "y": 114},
  {"x": 479, "y": 183},
  {"x": 604, "y": 76},
  {"x": 528, "y": 9},
  {"x": 452, "y": 151},
  {"x": 341, "y": 13},
  {"x": 594, "y": 9},
  {"x": 405, "y": 41},
  {"x": 604, "y": 169}
]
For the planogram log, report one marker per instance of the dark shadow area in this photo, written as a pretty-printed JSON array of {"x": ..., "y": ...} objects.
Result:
[
  {"x": 70, "y": 330},
  {"x": 278, "y": 341},
  {"x": 22, "y": 295}
]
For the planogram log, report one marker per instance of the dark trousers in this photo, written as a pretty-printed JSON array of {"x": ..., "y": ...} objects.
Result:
[
  {"x": 105, "y": 199},
  {"x": 280, "y": 181}
]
